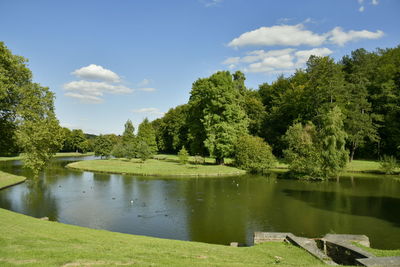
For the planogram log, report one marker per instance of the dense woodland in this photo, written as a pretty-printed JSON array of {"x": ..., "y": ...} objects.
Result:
[{"x": 321, "y": 116}]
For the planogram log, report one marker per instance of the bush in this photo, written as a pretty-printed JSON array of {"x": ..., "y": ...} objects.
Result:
[
  {"x": 253, "y": 154},
  {"x": 183, "y": 155},
  {"x": 198, "y": 160},
  {"x": 388, "y": 164}
]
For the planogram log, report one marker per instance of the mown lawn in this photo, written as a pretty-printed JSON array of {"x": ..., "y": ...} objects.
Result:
[
  {"x": 7, "y": 179},
  {"x": 165, "y": 167},
  {"x": 28, "y": 241},
  {"x": 57, "y": 155}
]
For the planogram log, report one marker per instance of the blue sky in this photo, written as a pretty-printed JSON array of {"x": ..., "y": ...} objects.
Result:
[{"x": 109, "y": 61}]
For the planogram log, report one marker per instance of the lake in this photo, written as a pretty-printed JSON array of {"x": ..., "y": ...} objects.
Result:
[{"x": 212, "y": 210}]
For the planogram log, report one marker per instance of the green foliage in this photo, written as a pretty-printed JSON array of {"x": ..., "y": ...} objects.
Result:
[
  {"x": 144, "y": 152},
  {"x": 199, "y": 160},
  {"x": 128, "y": 135},
  {"x": 216, "y": 117},
  {"x": 303, "y": 154},
  {"x": 103, "y": 146},
  {"x": 147, "y": 135},
  {"x": 183, "y": 155},
  {"x": 253, "y": 154},
  {"x": 317, "y": 154},
  {"x": 333, "y": 139},
  {"x": 388, "y": 164}
]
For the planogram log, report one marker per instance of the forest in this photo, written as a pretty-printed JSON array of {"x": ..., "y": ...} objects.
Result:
[{"x": 329, "y": 113}]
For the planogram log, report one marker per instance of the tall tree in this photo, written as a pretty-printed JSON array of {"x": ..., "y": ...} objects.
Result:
[
  {"x": 147, "y": 135},
  {"x": 217, "y": 117},
  {"x": 128, "y": 136}
]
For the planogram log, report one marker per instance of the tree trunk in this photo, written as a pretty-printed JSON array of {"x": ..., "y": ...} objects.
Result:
[
  {"x": 219, "y": 161},
  {"x": 353, "y": 149}
]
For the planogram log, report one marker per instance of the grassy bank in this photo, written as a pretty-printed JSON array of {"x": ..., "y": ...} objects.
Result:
[
  {"x": 356, "y": 166},
  {"x": 57, "y": 155},
  {"x": 25, "y": 240},
  {"x": 7, "y": 179},
  {"x": 154, "y": 167}
]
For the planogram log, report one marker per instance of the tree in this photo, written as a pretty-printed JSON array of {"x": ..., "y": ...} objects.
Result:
[
  {"x": 147, "y": 135},
  {"x": 216, "y": 117},
  {"x": 128, "y": 136},
  {"x": 103, "y": 146},
  {"x": 143, "y": 151},
  {"x": 333, "y": 139},
  {"x": 253, "y": 154},
  {"x": 39, "y": 133},
  {"x": 183, "y": 155}
]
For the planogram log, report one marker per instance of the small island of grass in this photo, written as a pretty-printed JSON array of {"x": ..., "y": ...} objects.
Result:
[
  {"x": 7, "y": 179},
  {"x": 166, "y": 166}
]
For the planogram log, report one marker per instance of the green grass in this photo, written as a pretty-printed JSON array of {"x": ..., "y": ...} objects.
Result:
[
  {"x": 57, "y": 155},
  {"x": 380, "y": 252},
  {"x": 7, "y": 179},
  {"x": 28, "y": 241},
  {"x": 152, "y": 167},
  {"x": 356, "y": 166}
]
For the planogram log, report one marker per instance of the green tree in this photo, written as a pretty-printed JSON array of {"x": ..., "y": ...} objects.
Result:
[
  {"x": 39, "y": 133},
  {"x": 183, "y": 155},
  {"x": 253, "y": 154},
  {"x": 128, "y": 136},
  {"x": 333, "y": 139},
  {"x": 103, "y": 146},
  {"x": 216, "y": 116},
  {"x": 144, "y": 152},
  {"x": 147, "y": 135}
]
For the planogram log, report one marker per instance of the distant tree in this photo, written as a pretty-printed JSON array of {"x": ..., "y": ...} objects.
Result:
[
  {"x": 183, "y": 155},
  {"x": 303, "y": 151},
  {"x": 216, "y": 117},
  {"x": 253, "y": 154},
  {"x": 143, "y": 151},
  {"x": 118, "y": 150},
  {"x": 147, "y": 135},
  {"x": 128, "y": 135},
  {"x": 103, "y": 146},
  {"x": 333, "y": 139}
]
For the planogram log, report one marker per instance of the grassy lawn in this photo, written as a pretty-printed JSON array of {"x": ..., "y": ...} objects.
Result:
[
  {"x": 57, "y": 155},
  {"x": 7, "y": 179},
  {"x": 380, "y": 252},
  {"x": 165, "y": 167},
  {"x": 364, "y": 166},
  {"x": 29, "y": 241}
]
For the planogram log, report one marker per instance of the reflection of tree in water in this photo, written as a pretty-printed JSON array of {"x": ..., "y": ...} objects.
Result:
[
  {"x": 38, "y": 200},
  {"x": 381, "y": 207}
]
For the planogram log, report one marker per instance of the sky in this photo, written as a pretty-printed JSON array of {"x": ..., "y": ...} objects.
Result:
[{"x": 110, "y": 61}]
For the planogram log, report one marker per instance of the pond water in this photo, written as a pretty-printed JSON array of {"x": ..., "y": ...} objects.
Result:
[{"x": 213, "y": 210}]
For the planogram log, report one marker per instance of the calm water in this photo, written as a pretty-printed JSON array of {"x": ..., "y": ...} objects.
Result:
[{"x": 213, "y": 210}]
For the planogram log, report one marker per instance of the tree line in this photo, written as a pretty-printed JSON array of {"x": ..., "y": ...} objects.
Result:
[{"x": 316, "y": 119}]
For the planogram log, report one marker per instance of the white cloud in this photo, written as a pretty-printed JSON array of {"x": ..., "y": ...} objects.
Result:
[
  {"x": 147, "y": 89},
  {"x": 277, "y": 61},
  {"x": 210, "y": 3},
  {"x": 284, "y": 35},
  {"x": 375, "y": 2},
  {"x": 150, "y": 111},
  {"x": 143, "y": 86},
  {"x": 296, "y": 35},
  {"x": 144, "y": 82},
  {"x": 340, "y": 37},
  {"x": 361, "y": 9},
  {"x": 92, "y": 92},
  {"x": 96, "y": 72}
]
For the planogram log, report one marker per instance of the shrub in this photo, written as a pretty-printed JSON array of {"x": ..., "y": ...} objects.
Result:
[
  {"x": 198, "y": 160},
  {"x": 253, "y": 154},
  {"x": 388, "y": 164},
  {"x": 183, "y": 155}
]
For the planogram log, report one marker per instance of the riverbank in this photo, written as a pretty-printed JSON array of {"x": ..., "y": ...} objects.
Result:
[
  {"x": 8, "y": 179},
  {"x": 155, "y": 167},
  {"x": 356, "y": 166},
  {"x": 30, "y": 241},
  {"x": 57, "y": 155}
]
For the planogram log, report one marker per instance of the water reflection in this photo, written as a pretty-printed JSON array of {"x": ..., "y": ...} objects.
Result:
[{"x": 214, "y": 210}]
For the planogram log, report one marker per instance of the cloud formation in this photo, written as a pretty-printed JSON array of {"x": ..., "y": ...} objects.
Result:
[
  {"x": 149, "y": 111},
  {"x": 143, "y": 86},
  {"x": 297, "y": 35},
  {"x": 275, "y": 61},
  {"x": 89, "y": 91},
  {"x": 96, "y": 72}
]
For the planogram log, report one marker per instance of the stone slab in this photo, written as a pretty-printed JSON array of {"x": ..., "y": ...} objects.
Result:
[
  {"x": 380, "y": 261},
  {"x": 261, "y": 237},
  {"x": 360, "y": 239}
]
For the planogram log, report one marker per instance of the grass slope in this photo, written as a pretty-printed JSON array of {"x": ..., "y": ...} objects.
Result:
[
  {"x": 154, "y": 167},
  {"x": 7, "y": 179},
  {"x": 57, "y": 155},
  {"x": 30, "y": 241}
]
